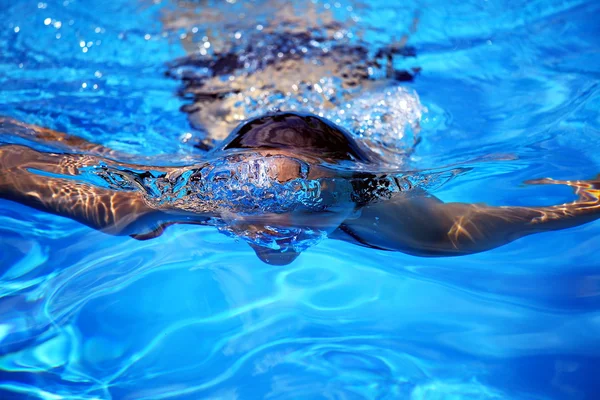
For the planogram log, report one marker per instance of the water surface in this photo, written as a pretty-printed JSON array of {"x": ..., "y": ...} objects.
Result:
[{"x": 508, "y": 88}]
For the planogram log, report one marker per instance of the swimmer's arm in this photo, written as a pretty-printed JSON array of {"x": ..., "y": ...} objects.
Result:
[
  {"x": 49, "y": 182},
  {"x": 425, "y": 226},
  {"x": 34, "y": 179}
]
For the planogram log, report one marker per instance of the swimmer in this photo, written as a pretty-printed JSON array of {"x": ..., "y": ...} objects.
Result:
[{"x": 281, "y": 182}]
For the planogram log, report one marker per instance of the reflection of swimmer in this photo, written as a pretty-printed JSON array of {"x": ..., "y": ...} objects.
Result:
[
  {"x": 278, "y": 181},
  {"x": 298, "y": 56}
]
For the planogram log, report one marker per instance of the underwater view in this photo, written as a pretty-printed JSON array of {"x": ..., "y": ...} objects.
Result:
[{"x": 300, "y": 200}]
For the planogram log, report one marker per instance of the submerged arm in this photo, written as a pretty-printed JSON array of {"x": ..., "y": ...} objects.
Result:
[
  {"x": 48, "y": 181},
  {"x": 423, "y": 225},
  {"x": 54, "y": 182}
]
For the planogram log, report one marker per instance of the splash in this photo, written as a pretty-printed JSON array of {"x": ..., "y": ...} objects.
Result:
[{"x": 256, "y": 203}]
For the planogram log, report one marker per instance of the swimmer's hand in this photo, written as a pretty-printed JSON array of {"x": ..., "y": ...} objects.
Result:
[{"x": 422, "y": 225}]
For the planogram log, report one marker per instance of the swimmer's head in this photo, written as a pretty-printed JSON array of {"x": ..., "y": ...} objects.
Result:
[
  {"x": 284, "y": 201},
  {"x": 299, "y": 134}
]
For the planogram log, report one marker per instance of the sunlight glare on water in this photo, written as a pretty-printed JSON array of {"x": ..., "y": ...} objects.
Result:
[{"x": 509, "y": 89}]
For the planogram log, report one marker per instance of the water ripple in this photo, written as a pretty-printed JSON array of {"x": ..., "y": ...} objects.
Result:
[{"x": 505, "y": 92}]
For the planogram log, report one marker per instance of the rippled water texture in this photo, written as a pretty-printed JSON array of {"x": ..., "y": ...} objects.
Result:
[{"x": 508, "y": 88}]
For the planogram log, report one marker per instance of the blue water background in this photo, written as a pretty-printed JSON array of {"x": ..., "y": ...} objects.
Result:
[{"x": 194, "y": 314}]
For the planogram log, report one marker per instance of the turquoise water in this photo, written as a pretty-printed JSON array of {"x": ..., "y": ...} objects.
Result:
[{"x": 508, "y": 89}]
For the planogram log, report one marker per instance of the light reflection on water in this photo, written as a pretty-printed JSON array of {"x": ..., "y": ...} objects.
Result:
[{"x": 192, "y": 314}]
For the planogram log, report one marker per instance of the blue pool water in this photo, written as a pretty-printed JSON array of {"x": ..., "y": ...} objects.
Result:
[{"x": 508, "y": 88}]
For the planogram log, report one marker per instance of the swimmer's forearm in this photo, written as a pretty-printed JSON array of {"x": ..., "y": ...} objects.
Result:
[
  {"x": 424, "y": 226},
  {"x": 476, "y": 228},
  {"x": 33, "y": 178},
  {"x": 468, "y": 228},
  {"x": 116, "y": 213}
]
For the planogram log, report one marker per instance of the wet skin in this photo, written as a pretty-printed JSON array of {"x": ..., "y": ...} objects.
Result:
[{"x": 288, "y": 147}]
